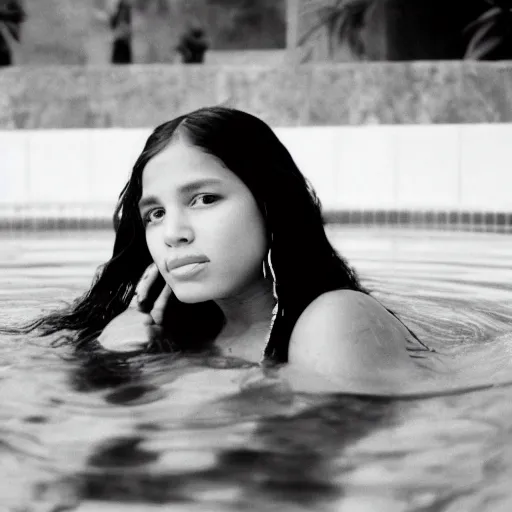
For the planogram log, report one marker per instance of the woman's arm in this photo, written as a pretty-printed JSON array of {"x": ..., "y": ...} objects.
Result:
[
  {"x": 141, "y": 323},
  {"x": 350, "y": 341}
]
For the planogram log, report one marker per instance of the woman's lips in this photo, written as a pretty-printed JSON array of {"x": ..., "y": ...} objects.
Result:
[{"x": 187, "y": 271}]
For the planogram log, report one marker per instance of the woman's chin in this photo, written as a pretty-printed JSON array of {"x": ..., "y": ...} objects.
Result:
[{"x": 191, "y": 297}]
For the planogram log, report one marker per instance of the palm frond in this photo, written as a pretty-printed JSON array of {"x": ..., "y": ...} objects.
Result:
[
  {"x": 343, "y": 23},
  {"x": 484, "y": 48},
  {"x": 478, "y": 39},
  {"x": 483, "y": 41},
  {"x": 489, "y": 15}
]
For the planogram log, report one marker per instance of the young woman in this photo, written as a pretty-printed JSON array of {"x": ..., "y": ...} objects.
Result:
[{"x": 220, "y": 245}]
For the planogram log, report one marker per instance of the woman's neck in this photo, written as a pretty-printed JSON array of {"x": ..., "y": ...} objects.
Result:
[{"x": 247, "y": 320}]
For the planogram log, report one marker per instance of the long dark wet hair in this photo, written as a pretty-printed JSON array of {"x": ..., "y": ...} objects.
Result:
[{"x": 304, "y": 262}]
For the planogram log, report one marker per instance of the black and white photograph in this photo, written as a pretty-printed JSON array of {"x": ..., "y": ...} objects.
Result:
[{"x": 255, "y": 255}]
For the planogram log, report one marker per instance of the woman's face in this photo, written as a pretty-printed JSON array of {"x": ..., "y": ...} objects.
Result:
[{"x": 193, "y": 206}]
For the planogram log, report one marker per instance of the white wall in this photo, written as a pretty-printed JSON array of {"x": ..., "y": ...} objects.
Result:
[{"x": 437, "y": 167}]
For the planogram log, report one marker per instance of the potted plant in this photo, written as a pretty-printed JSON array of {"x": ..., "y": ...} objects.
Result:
[{"x": 413, "y": 29}]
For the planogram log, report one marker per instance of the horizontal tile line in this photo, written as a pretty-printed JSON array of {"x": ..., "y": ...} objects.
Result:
[{"x": 499, "y": 222}]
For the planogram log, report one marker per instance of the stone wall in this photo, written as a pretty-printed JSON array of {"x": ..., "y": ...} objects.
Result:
[{"x": 312, "y": 94}]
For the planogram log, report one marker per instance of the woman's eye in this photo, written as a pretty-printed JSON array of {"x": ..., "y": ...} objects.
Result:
[
  {"x": 205, "y": 199},
  {"x": 153, "y": 215}
]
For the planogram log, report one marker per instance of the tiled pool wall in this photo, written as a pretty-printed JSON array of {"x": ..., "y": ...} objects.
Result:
[
  {"x": 433, "y": 175},
  {"x": 416, "y": 143}
]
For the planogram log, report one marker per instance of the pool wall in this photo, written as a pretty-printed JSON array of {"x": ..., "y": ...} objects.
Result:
[
  {"x": 320, "y": 94},
  {"x": 382, "y": 142}
]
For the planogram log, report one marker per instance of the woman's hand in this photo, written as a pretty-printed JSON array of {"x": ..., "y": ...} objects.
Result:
[{"x": 141, "y": 323}]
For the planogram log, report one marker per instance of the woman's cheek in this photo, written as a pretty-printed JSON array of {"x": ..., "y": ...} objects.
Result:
[{"x": 150, "y": 242}]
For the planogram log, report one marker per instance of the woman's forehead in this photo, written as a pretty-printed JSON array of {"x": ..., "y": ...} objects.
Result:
[
  {"x": 180, "y": 161},
  {"x": 179, "y": 165}
]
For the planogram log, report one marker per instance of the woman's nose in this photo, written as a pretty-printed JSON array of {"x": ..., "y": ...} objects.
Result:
[{"x": 177, "y": 229}]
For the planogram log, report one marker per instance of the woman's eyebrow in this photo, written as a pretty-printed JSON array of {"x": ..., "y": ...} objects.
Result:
[
  {"x": 184, "y": 189},
  {"x": 194, "y": 185}
]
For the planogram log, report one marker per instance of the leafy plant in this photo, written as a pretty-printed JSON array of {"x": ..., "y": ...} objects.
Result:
[
  {"x": 11, "y": 17},
  {"x": 490, "y": 30},
  {"x": 343, "y": 22},
  {"x": 490, "y": 35}
]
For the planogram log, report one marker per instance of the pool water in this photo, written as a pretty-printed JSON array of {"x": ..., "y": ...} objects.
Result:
[{"x": 210, "y": 434}]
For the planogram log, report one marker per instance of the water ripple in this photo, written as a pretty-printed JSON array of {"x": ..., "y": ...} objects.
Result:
[{"x": 210, "y": 436}]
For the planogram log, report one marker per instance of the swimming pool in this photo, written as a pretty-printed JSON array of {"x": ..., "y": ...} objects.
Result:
[{"x": 204, "y": 434}]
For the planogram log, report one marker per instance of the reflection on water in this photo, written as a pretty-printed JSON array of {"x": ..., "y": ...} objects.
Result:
[{"x": 209, "y": 434}]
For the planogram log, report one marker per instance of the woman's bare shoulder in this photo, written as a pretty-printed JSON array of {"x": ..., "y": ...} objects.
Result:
[
  {"x": 346, "y": 334},
  {"x": 348, "y": 310}
]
